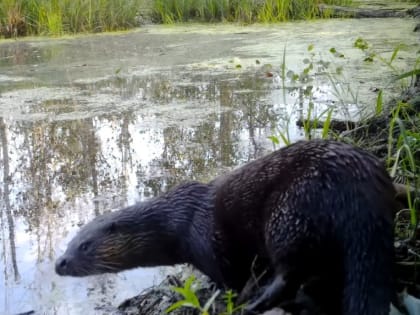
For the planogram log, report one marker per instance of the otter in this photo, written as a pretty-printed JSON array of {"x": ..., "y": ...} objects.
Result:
[{"x": 316, "y": 208}]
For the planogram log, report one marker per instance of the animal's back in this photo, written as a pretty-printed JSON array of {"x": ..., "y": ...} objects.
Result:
[{"x": 313, "y": 208}]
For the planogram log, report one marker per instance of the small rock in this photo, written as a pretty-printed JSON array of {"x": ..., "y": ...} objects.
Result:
[{"x": 275, "y": 311}]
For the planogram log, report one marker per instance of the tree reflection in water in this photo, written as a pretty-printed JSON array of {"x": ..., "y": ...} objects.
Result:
[{"x": 62, "y": 171}]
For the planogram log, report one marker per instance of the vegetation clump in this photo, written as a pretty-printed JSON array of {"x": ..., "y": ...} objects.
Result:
[
  {"x": 244, "y": 11},
  {"x": 392, "y": 132},
  {"x": 56, "y": 17}
]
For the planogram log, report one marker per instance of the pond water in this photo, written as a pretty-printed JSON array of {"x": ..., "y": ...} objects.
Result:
[{"x": 90, "y": 124}]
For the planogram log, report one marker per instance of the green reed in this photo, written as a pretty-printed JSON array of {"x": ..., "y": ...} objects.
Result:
[
  {"x": 55, "y": 17},
  {"x": 246, "y": 11},
  {"x": 404, "y": 154}
]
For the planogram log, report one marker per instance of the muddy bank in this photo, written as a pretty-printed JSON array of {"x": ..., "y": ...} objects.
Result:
[{"x": 372, "y": 10}]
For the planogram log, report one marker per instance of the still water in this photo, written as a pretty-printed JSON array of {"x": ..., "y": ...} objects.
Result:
[{"x": 89, "y": 124}]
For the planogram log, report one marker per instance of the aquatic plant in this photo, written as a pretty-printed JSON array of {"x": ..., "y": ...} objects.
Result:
[
  {"x": 397, "y": 123},
  {"x": 12, "y": 19},
  {"x": 314, "y": 123},
  {"x": 55, "y": 17},
  {"x": 403, "y": 157}
]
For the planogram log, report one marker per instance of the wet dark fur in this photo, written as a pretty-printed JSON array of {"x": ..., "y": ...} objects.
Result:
[{"x": 314, "y": 209}]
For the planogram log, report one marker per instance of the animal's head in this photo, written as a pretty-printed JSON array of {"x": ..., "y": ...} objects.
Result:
[
  {"x": 115, "y": 242},
  {"x": 156, "y": 232}
]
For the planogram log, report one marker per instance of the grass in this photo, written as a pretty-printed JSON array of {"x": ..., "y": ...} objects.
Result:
[
  {"x": 403, "y": 158},
  {"x": 402, "y": 137},
  {"x": 400, "y": 121},
  {"x": 245, "y": 11},
  {"x": 315, "y": 124},
  {"x": 55, "y": 17},
  {"x": 191, "y": 300}
]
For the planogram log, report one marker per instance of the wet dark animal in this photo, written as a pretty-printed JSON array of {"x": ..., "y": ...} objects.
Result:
[{"x": 317, "y": 208}]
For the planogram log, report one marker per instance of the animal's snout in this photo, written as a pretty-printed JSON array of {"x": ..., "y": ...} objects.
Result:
[{"x": 61, "y": 266}]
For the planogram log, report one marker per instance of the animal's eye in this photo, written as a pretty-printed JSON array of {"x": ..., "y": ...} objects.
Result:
[{"x": 84, "y": 246}]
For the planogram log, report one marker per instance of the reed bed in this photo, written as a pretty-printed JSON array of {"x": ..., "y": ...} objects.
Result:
[
  {"x": 56, "y": 17},
  {"x": 244, "y": 11}
]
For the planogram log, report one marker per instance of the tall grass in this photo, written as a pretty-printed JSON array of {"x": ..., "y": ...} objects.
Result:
[
  {"x": 278, "y": 10},
  {"x": 171, "y": 11},
  {"x": 246, "y": 11},
  {"x": 55, "y": 17},
  {"x": 404, "y": 154}
]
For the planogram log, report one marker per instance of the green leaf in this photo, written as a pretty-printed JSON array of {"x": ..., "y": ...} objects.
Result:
[
  {"x": 285, "y": 139},
  {"x": 188, "y": 293},
  {"x": 177, "y": 305},
  {"x": 394, "y": 54},
  {"x": 189, "y": 282},
  {"x": 379, "y": 103},
  {"x": 193, "y": 299},
  {"x": 274, "y": 139},
  {"x": 408, "y": 74},
  {"x": 311, "y": 47},
  {"x": 361, "y": 44},
  {"x": 369, "y": 58},
  {"x": 327, "y": 123},
  {"x": 179, "y": 290}
]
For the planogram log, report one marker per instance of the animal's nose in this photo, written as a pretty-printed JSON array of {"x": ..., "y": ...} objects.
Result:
[{"x": 61, "y": 266}]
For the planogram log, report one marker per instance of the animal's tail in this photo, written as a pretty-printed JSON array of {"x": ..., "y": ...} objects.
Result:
[{"x": 368, "y": 248}]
